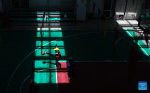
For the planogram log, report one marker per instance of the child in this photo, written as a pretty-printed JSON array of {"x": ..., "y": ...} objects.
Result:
[
  {"x": 57, "y": 56},
  {"x": 71, "y": 68}
]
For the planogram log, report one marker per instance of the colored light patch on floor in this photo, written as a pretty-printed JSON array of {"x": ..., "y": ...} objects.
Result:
[
  {"x": 43, "y": 29},
  {"x": 45, "y": 43},
  {"x": 44, "y": 34},
  {"x": 59, "y": 43},
  {"x": 130, "y": 32},
  {"x": 140, "y": 42},
  {"x": 49, "y": 19},
  {"x": 53, "y": 61},
  {"x": 56, "y": 34},
  {"x": 38, "y": 52},
  {"x": 62, "y": 77},
  {"x": 61, "y": 50},
  {"x": 53, "y": 73},
  {"x": 39, "y": 64},
  {"x": 42, "y": 77},
  {"x": 146, "y": 51}
]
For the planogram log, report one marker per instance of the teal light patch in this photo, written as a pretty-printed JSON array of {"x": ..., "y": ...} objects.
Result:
[
  {"x": 42, "y": 77},
  {"x": 49, "y": 19},
  {"x": 53, "y": 61},
  {"x": 38, "y": 52},
  {"x": 44, "y": 34},
  {"x": 54, "y": 18},
  {"x": 56, "y": 34},
  {"x": 146, "y": 51},
  {"x": 39, "y": 64},
  {"x": 140, "y": 42},
  {"x": 45, "y": 43},
  {"x": 41, "y": 19},
  {"x": 53, "y": 73},
  {"x": 61, "y": 50},
  {"x": 59, "y": 43},
  {"x": 129, "y": 34}
]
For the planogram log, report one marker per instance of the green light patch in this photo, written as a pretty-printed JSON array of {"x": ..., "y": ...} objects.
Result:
[
  {"x": 44, "y": 34},
  {"x": 49, "y": 19},
  {"x": 45, "y": 43},
  {"x": 56, "y": 34},
  {"x": 59, "y": 43},
  {"x": 42, "y": 77},
  {"x": 39, "y": 64},
  {"x": 140, "y": 42},
  {"x": 61, "y": 50},
  {"x": 38, "y": 52},
  {"x": 53, "y": 61},
  {"x": 54, "y": 18},
  {"x": 130, "y": 33},
  {"x": 146, "y": 51},
  {"x": 53, "y": 73}
]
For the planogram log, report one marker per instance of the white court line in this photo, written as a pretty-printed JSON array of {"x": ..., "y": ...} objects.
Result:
[
  {"x": 40, "y": 47},
  {"x": 34, "y": 72}
]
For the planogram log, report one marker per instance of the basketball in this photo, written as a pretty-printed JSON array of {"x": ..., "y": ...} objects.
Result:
[{"x": 43, "y": 52}]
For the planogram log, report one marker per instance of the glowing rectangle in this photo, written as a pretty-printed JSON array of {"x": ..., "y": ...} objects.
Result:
[
  {"x": 43, "y": 29},
  {"x": 119, "y": 13},
  {"x": 62, "y": 77},
  {"x": 40, "y": 19},
  {"x": 140, "y": 42},
  {"x": 131, "y": 13},
  {"x": 38, "y": 52},
  {"x": 53, "y": 29},
  {"x": 127, "y": 27},
  {"x": 56, "y": 34},
  {"x": 53, "y": 61},
  {"x": 53, "y": 73},
  {"x": 59, "y": 43},
  {"x": 45, "y": 43},
  {"x": 54, "y": 19},
  {"x": 122, "y": 22},
  {"x": 44, "y": 34},
  {"x": 39, "y": 64},
  {"x": 61, "y": 50},
  {"x": 146, "y": 51},
  {"x": 133, "y": 21},
  {"x": 131, "y": 32},
  {"x": 42, "y": 77}
]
